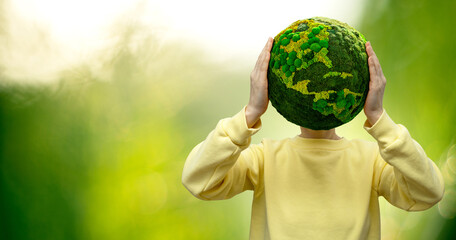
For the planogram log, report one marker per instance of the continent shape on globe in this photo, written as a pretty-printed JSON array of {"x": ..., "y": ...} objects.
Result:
[{"x": 318, "y": 76}]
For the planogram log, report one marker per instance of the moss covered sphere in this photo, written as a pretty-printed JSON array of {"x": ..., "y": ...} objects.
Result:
[{"x": 318, "y": 75}]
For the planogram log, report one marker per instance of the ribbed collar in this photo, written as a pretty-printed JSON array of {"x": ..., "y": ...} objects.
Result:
[{"x": 319, "y": 143}]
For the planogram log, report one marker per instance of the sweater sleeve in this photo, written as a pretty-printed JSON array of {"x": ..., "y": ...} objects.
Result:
[
  {"x": 403, "y": 174},
  {"x": 225, "y": 164}
]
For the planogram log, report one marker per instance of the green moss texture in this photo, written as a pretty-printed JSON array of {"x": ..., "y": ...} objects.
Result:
[{"x": 318, "y": 74}]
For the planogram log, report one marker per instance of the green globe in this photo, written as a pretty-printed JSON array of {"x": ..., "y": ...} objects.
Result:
[{"x": 318, "y": 76}]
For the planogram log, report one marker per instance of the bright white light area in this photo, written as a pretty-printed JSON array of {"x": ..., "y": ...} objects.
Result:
[
  {"x": 71, "y": 20},
  {"x": 241, "y": 27},
  {"x": 77, "y": 29}
]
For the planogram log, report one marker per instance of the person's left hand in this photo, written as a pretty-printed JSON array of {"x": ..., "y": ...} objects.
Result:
[{"x": 373, "y": 107}]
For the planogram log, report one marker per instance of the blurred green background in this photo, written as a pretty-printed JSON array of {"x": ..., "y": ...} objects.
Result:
[{"x": 98, "y": 154}]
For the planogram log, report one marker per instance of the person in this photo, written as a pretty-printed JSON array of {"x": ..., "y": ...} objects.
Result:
[{"x": 316, "y": 185}]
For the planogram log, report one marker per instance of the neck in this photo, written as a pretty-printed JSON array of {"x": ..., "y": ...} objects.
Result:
[{"x": 325, "y": 134}]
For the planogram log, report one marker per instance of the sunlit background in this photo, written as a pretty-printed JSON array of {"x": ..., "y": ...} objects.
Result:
[{"x": 101, "y": 102}]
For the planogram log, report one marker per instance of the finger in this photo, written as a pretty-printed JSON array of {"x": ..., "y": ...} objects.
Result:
[
  {"x": 258, "y": 62},
  {"x": 266, "y": 49},
  {"x": 371, "y": 53},
  {"x": 265, "y": 63},
  {"x": 372, "y": 67},
  {"x": 267, "y": 53},
  {"x": 261, "y": 56},
  {"x": 378, "y": 68},
  {"x": 268, "y": 45},
  {"x": 369, "y": 49},
  {"x": 375, "y": 76},
  {"x": 264, "y": 53}
]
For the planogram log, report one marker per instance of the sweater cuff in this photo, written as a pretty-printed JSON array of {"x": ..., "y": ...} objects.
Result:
[
  {"x": 384, "y": 130},
  {"x": 237, "y": 130}
]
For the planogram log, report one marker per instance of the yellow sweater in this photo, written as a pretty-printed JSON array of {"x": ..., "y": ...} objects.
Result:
[{"x": 314, "y": 188}]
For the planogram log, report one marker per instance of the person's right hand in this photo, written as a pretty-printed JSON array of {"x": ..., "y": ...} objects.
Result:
[{"x": 259, "y": 99}]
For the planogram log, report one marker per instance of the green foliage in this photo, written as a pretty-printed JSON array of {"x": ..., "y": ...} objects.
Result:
[
  {"x": 298, "y": 62},
  {"x": 296, "y": 37},
  {"x": 324, "y": 43},
  {"x": 285, "y": 42},
  {"x": 315, "y": 47}
]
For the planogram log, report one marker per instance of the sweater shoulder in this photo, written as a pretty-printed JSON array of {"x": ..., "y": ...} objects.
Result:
[
  {"x": 364, "y": 147},
  {"x": 271, "y": 144},
  {"x": 363, "y": 143}
]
